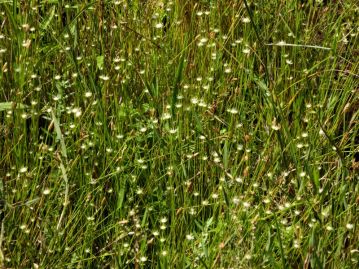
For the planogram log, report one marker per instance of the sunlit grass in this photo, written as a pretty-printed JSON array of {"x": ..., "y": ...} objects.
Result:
[{"x": 179, "y": 134}]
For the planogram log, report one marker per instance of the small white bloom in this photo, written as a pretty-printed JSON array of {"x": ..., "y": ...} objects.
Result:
[
  {"x": 203, "y": 40},
  {"x": 246, "y": 51},
  {"x": 232, "y": 111},
  {"x": 205, "y": 202},
  {"x": 104, "y": 78},
  {"x": 189, "y": 237},
  {"x": 300, "y": 145},
  {"x": 155, "y": 233},
  {"x": 194, "y": 101},
  {"x": 159, "y": 26},
  {"x": 246, "y": 204},
  {"x": 88, "y": 94},
  {"x": 23, "y": 170},
  {"x": 77, "y": 112},
  {"x": 46, "y": 191},
  {"x": 166, "y": 116}
]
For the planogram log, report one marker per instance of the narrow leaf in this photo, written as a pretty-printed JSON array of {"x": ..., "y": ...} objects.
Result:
[
  {"x": 11, "y": 105},
  {"x": 176, "y": 85}
]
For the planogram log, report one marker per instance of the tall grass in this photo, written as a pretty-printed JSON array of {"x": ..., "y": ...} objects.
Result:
[{"x": 179, "y": 134}]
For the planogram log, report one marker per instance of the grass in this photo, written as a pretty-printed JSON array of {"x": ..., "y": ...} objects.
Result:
[{"x": 179, "y": 134}]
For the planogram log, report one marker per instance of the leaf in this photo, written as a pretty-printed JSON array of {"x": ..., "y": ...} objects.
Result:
[
  {"x": 225, "y": 197},
  {"x": 47, "y": 21},
  {"x": 32, "y": 201},
  {"x": 176, "y": 85},
  {"x": 11, "y": 106},
  {"x": 121, "y": 196},
  {"x": 144, "y": 219},
  {"x": 226, "y": 155},
  {"x": 100, "y": 61},
  {"x": 59, "y": 136}
]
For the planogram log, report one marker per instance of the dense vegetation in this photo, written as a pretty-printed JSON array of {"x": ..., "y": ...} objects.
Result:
[{"x": 179, "y": 134}]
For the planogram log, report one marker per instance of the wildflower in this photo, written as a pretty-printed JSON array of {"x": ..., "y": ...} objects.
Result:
[
  {"x": 159, "y": 26},
  {"x": 246, "y": 51},
  {"x": 194, "y": 101},
  {"x": 139, "y": 191},
  {"x": 300, "y": 145},
  {"x": 232, "y": 111},
  {"x": 275, "y": 126},
  {"x": 23, "y": 170},
  {"x": 26, "y": 43},
  {"x": 205, "y": 202},
  {"x": 104, "y": 78},
  {"x": 246, "y": 20},
  {"x": 155, "y": 233},
  {"x": 246, "y": 204},
  {"x": 203, "y": 40},
  {"x": 248, "y": 257},
  {"x": 77, "y": 112},
  {"x": 202, "y": 104},
  {"x": 189, "y": 237},
  {"x": 166, "y": 116},
  {"x": 46, "y": 191},
  {"x": 88, "y": 94},
  {"x": 143, "y": 259}
]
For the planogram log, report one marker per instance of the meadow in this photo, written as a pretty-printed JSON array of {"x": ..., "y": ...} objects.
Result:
[{"x": 179, "y": 134}]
